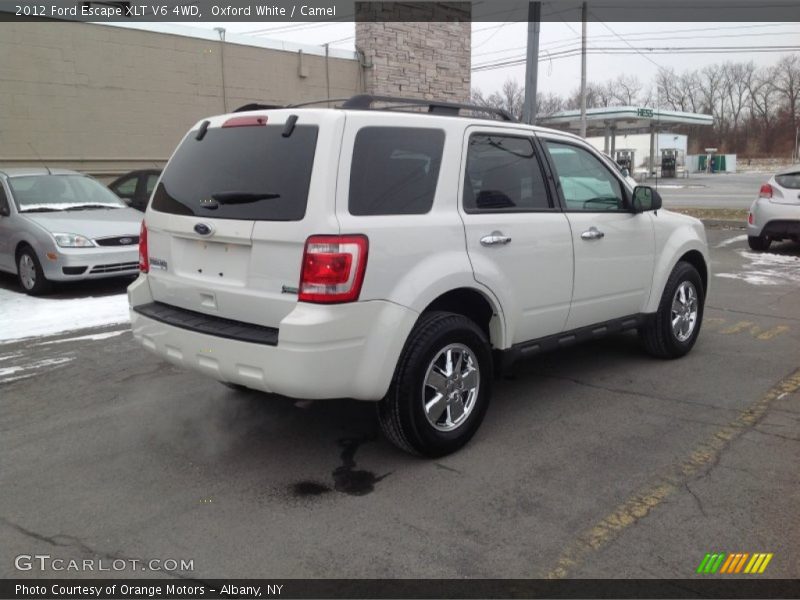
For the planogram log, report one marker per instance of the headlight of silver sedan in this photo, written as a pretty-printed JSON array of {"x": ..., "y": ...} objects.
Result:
[{"x": 72, "y": 240}]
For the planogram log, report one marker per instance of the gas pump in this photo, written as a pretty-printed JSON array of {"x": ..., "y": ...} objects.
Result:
[
  {"x": 625, "y": 159},
  {"x": 670, "y": 159}
]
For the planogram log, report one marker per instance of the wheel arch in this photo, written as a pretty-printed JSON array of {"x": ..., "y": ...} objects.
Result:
[
  {"x": 477, "y": 306},
  {"x": 683, "y": 244}
]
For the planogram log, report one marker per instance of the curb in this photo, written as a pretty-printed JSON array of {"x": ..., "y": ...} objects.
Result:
[{"x": 723, "y": 224}]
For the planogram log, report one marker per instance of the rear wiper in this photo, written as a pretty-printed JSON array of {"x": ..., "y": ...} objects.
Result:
[{"x": 242, "y": 197}]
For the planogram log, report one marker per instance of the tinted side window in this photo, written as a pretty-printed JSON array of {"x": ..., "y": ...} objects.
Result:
[
  {"x": 152, "y": 180},
  {"x": 3, "y": 200},
  {"x": 587, "y": 184},
  {"x": 126, "y": 187},
  {"x": 395, "y": 170},
  {"x": 503, "y": 174}
]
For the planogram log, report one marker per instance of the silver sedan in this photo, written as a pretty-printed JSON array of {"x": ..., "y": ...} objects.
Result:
[{"x": 59, "y": 225}]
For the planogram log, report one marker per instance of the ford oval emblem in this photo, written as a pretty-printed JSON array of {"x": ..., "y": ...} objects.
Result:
[
  {"x": 125, "y": 241},
  {"x": 202, "y": 228}
]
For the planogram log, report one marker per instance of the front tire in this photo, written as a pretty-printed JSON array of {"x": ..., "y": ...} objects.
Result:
[
  {"x": 441, "y": 387},
  {"x": 759, "y": 243},
  {"x": 673, "y": 330},
  {"x": 30, "y": 273}
]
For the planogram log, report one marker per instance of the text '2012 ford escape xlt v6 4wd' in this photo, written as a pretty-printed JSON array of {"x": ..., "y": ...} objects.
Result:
[{"x": 402, "y": 257}]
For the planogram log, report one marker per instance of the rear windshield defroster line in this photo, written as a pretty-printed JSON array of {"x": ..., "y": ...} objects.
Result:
[{"x": 259, "y": 164}]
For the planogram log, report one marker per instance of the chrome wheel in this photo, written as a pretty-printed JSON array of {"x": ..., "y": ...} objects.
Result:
[
  {"x": 27, "y": 271},
  {"x": 451, "y": 386},
  {"x": 684, "y": 311}
]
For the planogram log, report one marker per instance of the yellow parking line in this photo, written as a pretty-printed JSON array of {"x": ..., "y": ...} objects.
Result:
[
  {"x": 737, "y": 328},
  {"x": 771, "y": 333},
  {"x": 647, "y": 498}
]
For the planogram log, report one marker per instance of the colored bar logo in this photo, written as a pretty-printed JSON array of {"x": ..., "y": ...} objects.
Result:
[{"x": 733, "y": 563}]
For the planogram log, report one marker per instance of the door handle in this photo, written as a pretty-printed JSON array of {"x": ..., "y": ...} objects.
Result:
[
  {"x": 593, "y": 233},
  {"x": 496, "y": 238}
]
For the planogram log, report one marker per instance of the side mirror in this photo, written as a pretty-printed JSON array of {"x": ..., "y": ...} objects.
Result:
[
  {"x": 4, "y": 211},
  {"x": 645, "y": 198}
]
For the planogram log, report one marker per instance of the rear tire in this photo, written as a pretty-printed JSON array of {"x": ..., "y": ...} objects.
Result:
[
  {"x": 441, "y": 386},
  {"x": 759, "y": 243},
  {"x": 673, "y": 330},
  {"x": 30, "y": 273}
]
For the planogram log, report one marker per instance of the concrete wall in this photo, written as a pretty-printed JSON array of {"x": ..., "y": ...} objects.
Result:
[
  {"x": 106, "y": 100},
  {"x": 428, "y": 60}
]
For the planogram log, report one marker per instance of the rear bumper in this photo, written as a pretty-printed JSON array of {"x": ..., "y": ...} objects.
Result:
[
  {"x": 778, "y": 221},
  {"x": 337, "y": 351}
]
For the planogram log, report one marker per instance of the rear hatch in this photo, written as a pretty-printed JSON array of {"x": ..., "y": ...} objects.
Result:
[
  {"x": 230, "y": 216},
  {"x": 787, "y": 190}
]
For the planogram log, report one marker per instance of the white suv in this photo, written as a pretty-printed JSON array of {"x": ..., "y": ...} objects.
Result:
[{"x": 402, "y": 257}]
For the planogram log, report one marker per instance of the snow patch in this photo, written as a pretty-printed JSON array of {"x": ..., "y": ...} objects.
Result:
[
  {"x": 34, "y": 366},
  {"x": 733, "y": 240},
  {"x": 23, "y": 316},
  {"x": 767, "y": 269}
]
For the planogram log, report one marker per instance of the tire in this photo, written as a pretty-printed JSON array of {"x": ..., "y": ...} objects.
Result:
[
  {"x": 30, "y": 274},
  {"x": 448, "y": 425},
  {"x": 759, "y": 242},
  {"x": 660, "y": 337}
]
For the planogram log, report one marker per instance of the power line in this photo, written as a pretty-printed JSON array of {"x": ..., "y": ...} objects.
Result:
[{"x": 652, "y": 50}]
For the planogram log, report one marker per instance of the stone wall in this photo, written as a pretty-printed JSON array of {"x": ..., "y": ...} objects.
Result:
[{"x": 416, "y": 58}]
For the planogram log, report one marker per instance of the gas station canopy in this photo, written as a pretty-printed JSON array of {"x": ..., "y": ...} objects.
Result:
[{"x": 630, "y": 119}]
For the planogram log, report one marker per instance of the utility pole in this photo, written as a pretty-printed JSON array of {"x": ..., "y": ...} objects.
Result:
[
  {"x": 530, "y": 108},
  {"x": 221, "y": 32},
  {"x": 584, "y": 11}
]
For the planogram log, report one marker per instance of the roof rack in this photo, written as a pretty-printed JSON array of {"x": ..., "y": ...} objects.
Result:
[
  {"x": 365, "y": 102},
  {"x": 256, "y": 106}
]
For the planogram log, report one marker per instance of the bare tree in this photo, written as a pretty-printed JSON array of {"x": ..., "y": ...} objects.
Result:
[
  {"x": 787, "y": 83},
  {"x": 762, "y": 90},
  {"x": 627, "y": 89},
  {"x": 736, "y": 77},
  {"x": 510, "y": 98},
  {"x": 548, "y": 104}
]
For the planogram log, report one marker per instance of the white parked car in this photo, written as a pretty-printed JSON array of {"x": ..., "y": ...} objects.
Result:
[
  {"x": 775, "y": 215},
  {"x": 403, "y": 258}
]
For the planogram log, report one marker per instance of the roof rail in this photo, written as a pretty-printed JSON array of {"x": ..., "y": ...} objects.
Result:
[
  {"x": 256, "y": 106},
  {"x": 365, "y": 101}
]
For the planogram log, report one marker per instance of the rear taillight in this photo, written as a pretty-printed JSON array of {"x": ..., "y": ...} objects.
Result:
[
  {"x": 333, "y": 268},
  {"x": 766, "y": 191},
  {"x": 144, "y": 259},
  {"x": 750, "y": 218}
]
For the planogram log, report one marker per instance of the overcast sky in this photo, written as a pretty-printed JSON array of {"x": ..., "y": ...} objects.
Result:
[{"x": 496, "y": 42}]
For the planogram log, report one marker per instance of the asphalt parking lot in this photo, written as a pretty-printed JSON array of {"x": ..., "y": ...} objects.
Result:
[{"x": 596, "y": 461}]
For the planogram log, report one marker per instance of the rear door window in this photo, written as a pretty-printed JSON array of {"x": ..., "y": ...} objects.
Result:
[
  {"x": 395, "y": 170},
  {"x": 503, "y": 174},
  {"x": 251, "y": 173}
]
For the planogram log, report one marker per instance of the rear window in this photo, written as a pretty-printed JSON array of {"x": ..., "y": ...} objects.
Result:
[
  {"x": 395, "y": 170},
  {"x": 251, "y": 173},
  {"x": 789, "y": 180}
]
